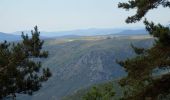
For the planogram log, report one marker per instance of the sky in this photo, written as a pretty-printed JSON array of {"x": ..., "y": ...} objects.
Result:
[{"x": 62, "y": 15}]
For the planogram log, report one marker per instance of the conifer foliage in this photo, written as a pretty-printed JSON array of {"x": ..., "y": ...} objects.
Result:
[
  {"x": 19, "y": 65},
  {"x": 141, "y": 83},
  {"x": 142, "y": 6}
]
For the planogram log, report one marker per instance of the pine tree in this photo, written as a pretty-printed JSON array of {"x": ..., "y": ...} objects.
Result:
[
  {"x": 105, "y": 92},
  {"x": 20, "y": 65},
  {"x": 140, "y": 83}
]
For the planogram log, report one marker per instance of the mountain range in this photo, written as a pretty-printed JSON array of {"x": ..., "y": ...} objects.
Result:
[
  {"x": 75, "y": 33},
  {"x": 81, "y": 62},
  {"x": 8, "y": 37},
  {"x": 78, "y": 61}
]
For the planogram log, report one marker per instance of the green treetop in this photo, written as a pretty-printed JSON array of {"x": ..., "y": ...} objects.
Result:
[
  {"x": 140, "y": 83},
  {"x": 19, "y": 65}
]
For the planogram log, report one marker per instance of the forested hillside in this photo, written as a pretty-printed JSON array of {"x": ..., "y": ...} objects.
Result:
[{"x": 81, "y": 63}]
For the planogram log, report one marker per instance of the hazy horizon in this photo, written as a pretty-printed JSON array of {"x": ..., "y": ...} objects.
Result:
[
  {"x": 62, "y": 15},
  {"x": 81, "y": 29}
]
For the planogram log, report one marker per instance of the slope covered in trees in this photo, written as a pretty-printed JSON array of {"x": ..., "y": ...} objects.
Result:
[{"x": 70, "y": 62}]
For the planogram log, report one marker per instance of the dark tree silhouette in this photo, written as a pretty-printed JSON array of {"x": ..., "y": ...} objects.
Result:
[
  {"x": 19, "y": 65},
  {"x": 141, "y": 83},
  {"x": 142, "y": 6}
]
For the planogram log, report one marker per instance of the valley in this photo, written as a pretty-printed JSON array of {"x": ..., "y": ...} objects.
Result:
[{"x": 84, "y": 61}]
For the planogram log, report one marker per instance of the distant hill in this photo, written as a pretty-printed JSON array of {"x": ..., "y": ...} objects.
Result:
[
  {"x": 8, "y": 37},
  {"x": 89, "y": 32},
  {"x": 13, "y": 37},
  {"x": 78, "y": 63},
  {"x": 75, "y": 33},
  {"x": 133, "y": 32},
  {"x": 80, "y": 32}
]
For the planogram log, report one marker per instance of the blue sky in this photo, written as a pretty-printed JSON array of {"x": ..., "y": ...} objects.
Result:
[{"x": 59, "y": 15}]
